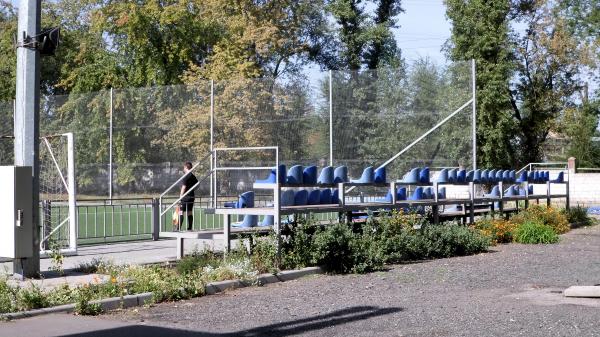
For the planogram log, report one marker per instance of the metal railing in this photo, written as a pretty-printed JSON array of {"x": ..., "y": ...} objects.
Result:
[
  {"x": 529, "y": 167},
  {"x": 207, "y": 175}
]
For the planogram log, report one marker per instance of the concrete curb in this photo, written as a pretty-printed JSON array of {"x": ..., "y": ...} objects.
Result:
[{"x": 144, "y": 298}]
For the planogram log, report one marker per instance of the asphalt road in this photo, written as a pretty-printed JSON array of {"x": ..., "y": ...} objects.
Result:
[{"x": 515, "y": 290}]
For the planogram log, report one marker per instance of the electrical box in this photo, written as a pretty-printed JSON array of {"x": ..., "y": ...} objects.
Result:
[{"x": 16, "y": 222}]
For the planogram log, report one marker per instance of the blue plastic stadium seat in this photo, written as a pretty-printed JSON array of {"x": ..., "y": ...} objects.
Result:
[
  {"x": 523, "y": 192},
  {"x": 531, "y": 176},
  {"x": 271, "y": 178},
  {"x": 511, "y": 191},
  {"x": 452, "y": 176},
  {"x": 484, "y": 176},
  {"x": 492, "y": 176},
  {"x": 412, "y": 177},
  {"x": 401, "y": 193},
  {"x": 309, "y": 175},
  {"x": 442, "y": 176},
  {"x": 522, "y": 177},
  {"x": 325, "y": 197},
  {"x": 506, "y": 176},
  {"x": 246, "y": 200},
  {"x": 380, "y": 176},
  {"x": 494, "y": 193},
  {"x": 301, "y": 198},
  {"x": 326, "y": 176},
  {"x": 417, "y": 194},
  {"x": 295, "y": 175},
  {"x": 547, "y": 176},
  {"x": 367, "y": 177},
  {"x": 287, "y": 199},
  {"x": 427, "y": 193},
  {"x": 461, "y": 176},
  {"x": 442, "y": 193},
  {"x": 512, "y": 175},
  {"x": 340, "y": 175},
  {"x": 424, "y": 175},
  {"x": 314, "y": 197},
  {"x": 335, "y": 199},
  {"x": 559, "y": 179},
  {"x": 470, "y": 175},
  {"x": 477, "y": 176},
  {"x": 499, "y": 175},
  {"x": 249, "y": 221}
]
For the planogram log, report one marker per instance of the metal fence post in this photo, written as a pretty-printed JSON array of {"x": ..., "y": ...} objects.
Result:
[
  {"x": 110, "y": 148},
  {"x": 155, "y": 219},
  {"x": 330, "y": 118},
  {"x": 474, "y": 122}
]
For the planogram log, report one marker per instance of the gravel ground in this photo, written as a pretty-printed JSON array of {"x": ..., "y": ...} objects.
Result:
[{"x": 512, "y": 291}]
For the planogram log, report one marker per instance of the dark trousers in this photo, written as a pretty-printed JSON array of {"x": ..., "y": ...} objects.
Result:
[{"x": 187, "y": 207}]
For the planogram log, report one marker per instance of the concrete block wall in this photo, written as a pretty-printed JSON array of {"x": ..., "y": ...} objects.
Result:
[{"x": 585, "y": 189}]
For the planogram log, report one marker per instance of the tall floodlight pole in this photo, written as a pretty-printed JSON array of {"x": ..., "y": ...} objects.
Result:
[
  {"x": 474, "y": 136},
  {"x": 330, "y": 119},
  {"x": 26, "y": 121}
]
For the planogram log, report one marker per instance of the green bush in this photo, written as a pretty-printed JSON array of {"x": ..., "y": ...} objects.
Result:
[
  {"x": 545, "y": 215},
  {"x": 333, "y": 248},
  {"x": 264, "y": 254},
  {"x": 448, "y": 240},
  {"x": 297, "y": 249},
  {"x": 8, "y": 296},
  {"x": 532, "y": 232},
  {"x": 31, "y": 298},
  {"x": 367, "y": 255},
  {"x": 578, "y": 216},
  {"x": 196, "y": 261},
  {"x": 83, "y": 296}
]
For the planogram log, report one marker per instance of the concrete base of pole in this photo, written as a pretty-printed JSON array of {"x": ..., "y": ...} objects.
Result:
[{"x": 583, "y": 291}]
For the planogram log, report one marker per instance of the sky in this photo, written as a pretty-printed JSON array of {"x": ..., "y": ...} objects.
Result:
[{"x": 423, "y": 29}]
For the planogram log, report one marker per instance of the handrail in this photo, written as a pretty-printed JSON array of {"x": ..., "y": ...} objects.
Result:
[
  {"x": 530, "y": 165},
  {"x": 186, "y": 193},
  {"x": 185, "y": 175},
  {"x": 416, "y": 141},
  {"x": 215, "y": 166}
]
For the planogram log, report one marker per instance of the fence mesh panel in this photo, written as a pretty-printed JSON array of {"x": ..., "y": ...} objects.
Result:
[
  {"x": 7, "y": 149},
  {"x": 265, "y": 112},
  {"x": 378, "y": 113},
  {"x": 375, "y": 114},
  {"x": 155, "y": 130}
]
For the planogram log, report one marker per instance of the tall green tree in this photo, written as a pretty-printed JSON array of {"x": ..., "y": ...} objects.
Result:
[
  {"x": 480, "y": 31},
  {"x": 366, "y": 37}
]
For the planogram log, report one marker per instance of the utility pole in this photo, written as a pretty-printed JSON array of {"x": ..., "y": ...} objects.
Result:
[{"x": 27, "y": 112}]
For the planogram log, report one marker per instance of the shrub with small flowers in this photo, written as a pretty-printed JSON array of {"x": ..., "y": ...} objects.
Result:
[{"x": 498, "y": 230}]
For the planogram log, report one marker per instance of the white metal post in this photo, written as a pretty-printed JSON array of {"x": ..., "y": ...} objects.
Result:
[
  {"x": 26, "y": 120},
  {"x": 330, "y": 118},
  {"x": 212, "y": 125},
  {"x": 110, "y": 148},
  {"x": 73, "y": 219},
  {"x": 474, "y": 136}
]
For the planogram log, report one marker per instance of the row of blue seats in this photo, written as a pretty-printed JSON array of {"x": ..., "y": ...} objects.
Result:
[
  {"x": 288, "y": 198},
  {"x": 457, "y": 176},
  {"x": 511, "y": 191},
  {"x": 300, "y": 175},
  {"x": 419, "y": 193}
]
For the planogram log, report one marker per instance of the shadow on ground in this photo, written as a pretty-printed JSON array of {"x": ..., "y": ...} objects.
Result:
[{"x": 280, "y": 329}]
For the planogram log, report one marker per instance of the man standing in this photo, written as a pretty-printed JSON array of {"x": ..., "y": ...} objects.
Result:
[{"x": 187, "y": 202}]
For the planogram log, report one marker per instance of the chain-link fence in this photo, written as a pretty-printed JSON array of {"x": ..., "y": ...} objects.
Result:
[{"x": 133, "y": 142}]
